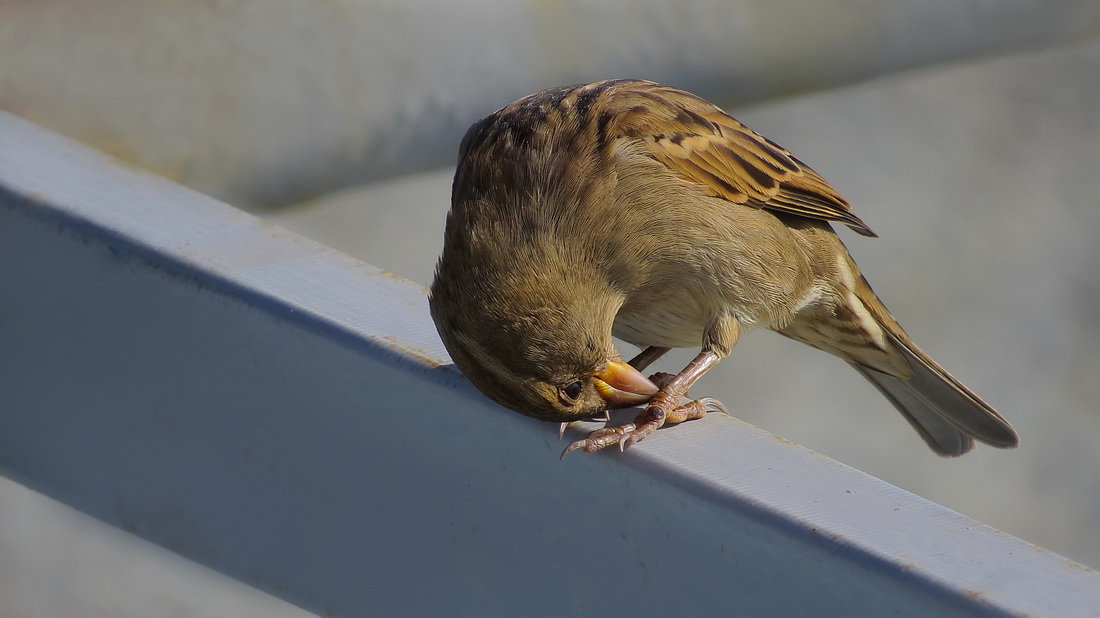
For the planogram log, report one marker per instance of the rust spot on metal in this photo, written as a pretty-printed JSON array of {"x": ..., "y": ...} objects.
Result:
[
  {"x": 784, "y": 440},
  {"x": 976, "y": 595}
]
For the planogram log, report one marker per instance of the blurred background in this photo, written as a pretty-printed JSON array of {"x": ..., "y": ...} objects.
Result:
[{"x": 966, "y": 133}]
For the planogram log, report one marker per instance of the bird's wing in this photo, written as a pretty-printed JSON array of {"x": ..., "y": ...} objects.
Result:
[{"x": 706, "y": 146}]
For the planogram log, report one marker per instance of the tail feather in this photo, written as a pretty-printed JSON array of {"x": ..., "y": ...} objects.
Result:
[
  {"x": 941, "y": 436},
  {"x": 945, "y": 412}
]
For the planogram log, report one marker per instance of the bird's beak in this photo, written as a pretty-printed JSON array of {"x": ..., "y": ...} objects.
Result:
[{"x": 622, "y": 386}]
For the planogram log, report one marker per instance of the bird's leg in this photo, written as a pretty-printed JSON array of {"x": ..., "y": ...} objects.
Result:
[
  {"x": 646, "y": 357},
  {"x": 663, "y": 408}
]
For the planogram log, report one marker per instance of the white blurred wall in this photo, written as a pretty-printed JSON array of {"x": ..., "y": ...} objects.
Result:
[{"x": 269, "y": 102}]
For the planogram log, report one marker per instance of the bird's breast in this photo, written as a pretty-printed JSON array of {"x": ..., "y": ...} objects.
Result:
[{"x": 671, "y": 324}]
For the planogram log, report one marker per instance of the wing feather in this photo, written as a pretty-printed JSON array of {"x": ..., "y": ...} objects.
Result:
[{"x": 704, "y": 145}]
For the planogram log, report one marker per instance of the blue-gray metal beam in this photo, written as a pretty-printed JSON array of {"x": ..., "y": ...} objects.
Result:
[{"x": 283, "y": 413}]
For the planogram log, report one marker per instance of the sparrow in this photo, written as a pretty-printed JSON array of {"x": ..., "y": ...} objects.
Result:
[{"x": 631, "y": 209}]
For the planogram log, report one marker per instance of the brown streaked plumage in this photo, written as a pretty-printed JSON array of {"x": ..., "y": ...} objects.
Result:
[{"x": 629, "y": 208}]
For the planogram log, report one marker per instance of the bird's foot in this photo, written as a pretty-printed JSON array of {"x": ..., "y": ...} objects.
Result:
[
  {"x": 662, "y": 379},
  {"x": 656, "y": 414},
  {"x": 606, "y": 418}
]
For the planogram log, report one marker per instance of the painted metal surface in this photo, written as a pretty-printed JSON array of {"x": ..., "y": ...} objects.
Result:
[{"x": 284, "y": 413}]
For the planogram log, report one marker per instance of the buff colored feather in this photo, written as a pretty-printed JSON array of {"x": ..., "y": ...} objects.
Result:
[{"x": 629, "y": 208}]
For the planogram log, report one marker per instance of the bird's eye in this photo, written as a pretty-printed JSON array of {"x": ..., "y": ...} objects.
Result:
[{"x": 573, "y": 390}]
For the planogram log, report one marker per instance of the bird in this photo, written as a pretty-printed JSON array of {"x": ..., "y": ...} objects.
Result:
[{"x": 626, "y": 208}]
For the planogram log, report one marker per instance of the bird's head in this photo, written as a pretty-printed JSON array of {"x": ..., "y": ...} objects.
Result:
[
  {"x": 523, "y": 297},
  {"x": 542, "y": 355}
]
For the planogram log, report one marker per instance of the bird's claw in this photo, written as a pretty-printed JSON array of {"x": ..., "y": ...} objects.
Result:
[
  {"x": 564, "y": 426},
  {"x": 712, "y": 404},
  {"x": 623, "y": 435},
  {"x": 599, "y": 439},
  {"x": 651, "y": 419}
]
